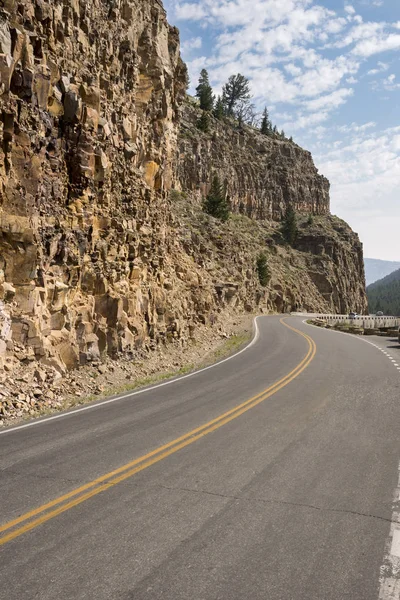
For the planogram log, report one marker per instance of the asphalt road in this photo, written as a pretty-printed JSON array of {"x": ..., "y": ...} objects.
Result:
[{"x": 177, "y": 494}]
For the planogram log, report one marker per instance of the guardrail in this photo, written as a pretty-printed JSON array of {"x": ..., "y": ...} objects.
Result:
[{"x": 365, "y": 321}]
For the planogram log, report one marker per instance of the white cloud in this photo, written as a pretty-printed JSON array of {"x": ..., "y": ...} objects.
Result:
[
  {"x": 375, "y": 3},
  {"x": 355, "y": 128},
  {"x": 390, "y": 83},
  {"x": 365, "y": 174},
  {"x": 189, "y": 11},
  {"x": 378, "y": 69},
  {"x": 293, "y": 69},
  {"x": 377, "y": 45},
  {"x": 360, "y": 32},
  {"x": 330, "y": 101},
  {"x": 305, "y": 121},
  {"x": 192, "y": 44}
]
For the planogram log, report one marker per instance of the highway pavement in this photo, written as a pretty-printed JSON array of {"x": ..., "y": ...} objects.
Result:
[{"x": 271, "y": 476}]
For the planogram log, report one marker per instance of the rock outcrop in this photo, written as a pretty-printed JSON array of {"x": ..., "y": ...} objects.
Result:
[
  {"x": 90, "y": 93},
  {"x": 262, "y": 174},
  {"x": 323, "y": 272},
  {"x": 104, "y": 248},
  {"x": 337, "y": 265}
]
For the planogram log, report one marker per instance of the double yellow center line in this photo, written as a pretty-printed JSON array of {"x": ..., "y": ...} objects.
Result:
[{"x": 30, "y": 520}]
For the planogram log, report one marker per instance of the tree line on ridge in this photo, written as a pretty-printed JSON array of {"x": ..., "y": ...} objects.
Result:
[{"x": 235, "y": 103}]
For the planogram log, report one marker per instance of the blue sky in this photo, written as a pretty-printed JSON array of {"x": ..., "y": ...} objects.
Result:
[{"x": 329, "y": 71}]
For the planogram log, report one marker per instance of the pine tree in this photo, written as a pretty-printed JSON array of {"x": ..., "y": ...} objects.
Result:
[
  {"x": 265, "y": 123},
  {"x": 275, "y": 129},
  {"x": 289, "y": 226},
  {"x": 264, "y": 275},
  {"x": 204, "y": 92},
  {"x": 204, "y": 122},
  {"x": 283, "y": 134},
  {"x": 236, "y": 90},
  {"x": 219, "y": 109},
  {"x": 215, "y": 204}
]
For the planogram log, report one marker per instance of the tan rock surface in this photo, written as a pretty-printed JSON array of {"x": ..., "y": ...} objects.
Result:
[
  {"x": 100, "y": 256},
  {"x": 262, "y": 174}
]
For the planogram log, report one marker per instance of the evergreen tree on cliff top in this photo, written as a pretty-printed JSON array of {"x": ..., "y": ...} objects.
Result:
[
  {"x": 204, "y": 92},
  {"x": 204, "y": 122},
  {"x": 236, "y": 91},
  {"x": 219, "y": 110},
  {"x": 265, "y": 123},
  {"x": 215, "y": 204},
  {"x": 289, "y": 226}
]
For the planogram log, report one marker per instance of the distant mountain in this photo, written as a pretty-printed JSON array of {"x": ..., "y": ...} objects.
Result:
[
  {"x": 377, "y": 269},
  {"x": 384, "y": 295}
]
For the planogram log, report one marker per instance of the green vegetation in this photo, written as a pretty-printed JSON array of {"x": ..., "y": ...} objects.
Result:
[
  {"x": 289, "y": 226},
  {"x": 230, "y": 346},
  {"x": 263, "y": 272},
  {"x": 204, "y": 122},
  {"x": 177, "y": 195},
  {"x": 219, "y": 111},
  {"x": 384, "y": 295},
  {"x": 234, "y": 103},
  {"x": 216, "y": 204},
  {"x": 204, "y": 92},
  {"x": 234, "y": 92},
  {"x": 266, "y": 126}
]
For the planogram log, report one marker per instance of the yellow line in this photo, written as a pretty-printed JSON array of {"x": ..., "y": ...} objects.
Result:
[
  {"x": 133, "y": 463},
  {"x": 118, "y": 475}
]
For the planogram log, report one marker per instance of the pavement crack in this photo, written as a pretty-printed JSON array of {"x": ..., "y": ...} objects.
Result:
[
  {"x": 192, "y": 490},
  {"x": 42, "y": 477},
  {"x": 327, "y": 509},
  {"x": 284, "y": 503}
]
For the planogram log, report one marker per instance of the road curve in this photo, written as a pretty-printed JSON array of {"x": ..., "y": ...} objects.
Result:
[{"x": 270, "y": 476}]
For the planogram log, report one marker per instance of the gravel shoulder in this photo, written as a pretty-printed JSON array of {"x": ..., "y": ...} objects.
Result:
[{"x": 35, "y": 391}]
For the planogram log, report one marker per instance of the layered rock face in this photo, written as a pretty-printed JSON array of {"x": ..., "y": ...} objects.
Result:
[
  {"x": 89, "y": 97},
  {"x": 262, "y": 174},
  {"x": 337, "y": 265},
  {"x": 324, "y": 271},
  {"x": 96, "y": 256}
]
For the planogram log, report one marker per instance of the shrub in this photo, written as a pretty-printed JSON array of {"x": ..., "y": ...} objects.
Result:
[
  {"x": 204, "y": 92},
  {"x": 204, "y": 122},
  {"x": 263, "y": 272},
  {"x": 216, "y": 204},
  {"x": 289, "y": 226}
]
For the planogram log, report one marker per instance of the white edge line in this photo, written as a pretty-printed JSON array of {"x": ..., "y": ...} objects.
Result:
[
  {"x": 389, "y": 582},
  {"x": 142, "y": 391},
  {"x": 360, "y": 338}
]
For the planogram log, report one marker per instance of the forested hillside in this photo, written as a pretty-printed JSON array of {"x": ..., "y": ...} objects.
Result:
[
  {"x": 376, "y": 269},
  {"x": 384, "y": 294}
]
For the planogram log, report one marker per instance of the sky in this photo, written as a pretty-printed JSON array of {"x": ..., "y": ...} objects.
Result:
[{"x": 329, "y": 73}]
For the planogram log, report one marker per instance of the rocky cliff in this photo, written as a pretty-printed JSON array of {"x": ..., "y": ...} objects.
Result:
[
  {"x": 104, "y": 248},
  {"x": 89, "y": 97},
  {"x": 263, "y": 174}
]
